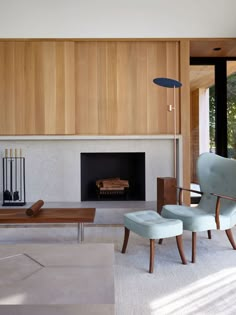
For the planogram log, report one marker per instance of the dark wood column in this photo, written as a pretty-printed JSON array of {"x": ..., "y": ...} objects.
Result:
[{"x": 221, "y": 107}]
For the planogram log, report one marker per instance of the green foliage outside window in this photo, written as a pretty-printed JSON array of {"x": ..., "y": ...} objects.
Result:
[
  {"x": 212, "y": 118},
  {"x": 231, "y": 116}
]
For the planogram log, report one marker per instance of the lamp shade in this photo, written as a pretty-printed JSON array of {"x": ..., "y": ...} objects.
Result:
[{"x": 168, "y": 83}]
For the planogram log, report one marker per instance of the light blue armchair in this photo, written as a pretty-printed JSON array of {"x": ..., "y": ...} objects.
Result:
[{"x": 217, "y": 207}]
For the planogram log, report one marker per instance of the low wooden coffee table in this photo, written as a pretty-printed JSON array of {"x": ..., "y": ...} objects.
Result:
[{"x": 50, "y": 215}]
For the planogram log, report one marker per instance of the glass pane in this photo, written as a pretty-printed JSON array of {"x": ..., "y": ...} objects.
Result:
[
  {"x": 212, "y": 120},
  {"x": 202, "y": 122},
  {"x": 231, "y": 109}
]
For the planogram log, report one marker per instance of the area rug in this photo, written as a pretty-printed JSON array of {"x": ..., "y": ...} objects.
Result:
[{"x": 206, "y": 287}]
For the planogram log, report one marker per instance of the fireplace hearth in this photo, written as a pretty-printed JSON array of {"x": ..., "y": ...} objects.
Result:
[{"x": 125, "y": 167}]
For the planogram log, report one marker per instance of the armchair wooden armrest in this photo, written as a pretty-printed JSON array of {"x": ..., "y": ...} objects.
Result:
[
  {"x": 181, "y": 189},
  {"x": 223, "y": 196},
  {"x": 217, "y": 212}
]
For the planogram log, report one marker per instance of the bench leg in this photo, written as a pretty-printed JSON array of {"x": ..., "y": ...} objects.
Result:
[
  {"x": 82, "y": 232},
  {"x": 180, "y": 248},
  {"x": 126, "y": 238},
  {"x": 152, "y": 254},
  {"x": 80, "y": 235}
]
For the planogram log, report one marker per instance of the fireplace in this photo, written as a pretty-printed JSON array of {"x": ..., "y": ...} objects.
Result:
[{"x": 125, "y": 166}]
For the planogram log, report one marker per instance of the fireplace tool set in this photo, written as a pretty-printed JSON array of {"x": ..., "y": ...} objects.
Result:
[{"x": 13, "y": 178}]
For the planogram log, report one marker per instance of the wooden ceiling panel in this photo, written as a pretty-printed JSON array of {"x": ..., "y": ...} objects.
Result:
[
  {"x": 206, "y": 47},
  {"x": 201, "y": 77},
  {"x": 204, "y": 77}
]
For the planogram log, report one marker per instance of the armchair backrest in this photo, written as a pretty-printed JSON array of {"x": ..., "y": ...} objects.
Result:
[{"x": 217, "y": 175}]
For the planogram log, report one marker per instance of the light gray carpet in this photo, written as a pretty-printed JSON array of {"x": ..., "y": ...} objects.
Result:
[{"x": 207, "y": 287}]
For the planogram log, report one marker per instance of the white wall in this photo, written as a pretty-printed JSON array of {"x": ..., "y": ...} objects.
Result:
[
  {"x": 117, "y": 18},
  {"x": 53, "y": 166}
]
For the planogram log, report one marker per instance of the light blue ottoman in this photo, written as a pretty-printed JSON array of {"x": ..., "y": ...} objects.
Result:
[{"x": 149, "y": 224}]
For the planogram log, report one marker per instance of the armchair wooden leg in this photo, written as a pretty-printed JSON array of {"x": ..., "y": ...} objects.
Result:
[
  {"x": 152, "y": 254},
  {"x": 194, "y": 243},
  {"x": 230, "y": 237},
  {"x": 209, "y": 234},
  {"x": 180, "y": 248},
  {"x": 126, "y": 238}
]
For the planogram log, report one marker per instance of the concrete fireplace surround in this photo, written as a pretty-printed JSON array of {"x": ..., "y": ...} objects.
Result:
[{"x": 53, "y": 162}]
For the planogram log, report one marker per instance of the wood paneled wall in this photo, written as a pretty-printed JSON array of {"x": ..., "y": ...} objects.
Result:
[
  {"x": 87, "y": 87},
  {"x": 114, "y": 89},
  {"x": 185, "y": 114},
  {"x": 36, "y": 88}
]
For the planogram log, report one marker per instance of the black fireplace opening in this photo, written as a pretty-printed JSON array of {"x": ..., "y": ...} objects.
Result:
[{"x": 126, "y": 166}]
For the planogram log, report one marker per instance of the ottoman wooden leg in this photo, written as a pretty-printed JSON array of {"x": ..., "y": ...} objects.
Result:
[
  {"x": 194, "y": 245},
  {"x": 180, "y": 248},
  {"x": 152, "y": 254},
  {"x": 209, "y": 234},
  {"x": 126, "y": 238}
]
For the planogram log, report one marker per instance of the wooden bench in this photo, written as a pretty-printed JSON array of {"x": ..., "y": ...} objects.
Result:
[{"x": 50, "y": 215}]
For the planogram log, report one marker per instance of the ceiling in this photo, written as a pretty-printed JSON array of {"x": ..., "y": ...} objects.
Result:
[
  {"x": 205, "y": 48},
  {"x": 203, "y": 76}
]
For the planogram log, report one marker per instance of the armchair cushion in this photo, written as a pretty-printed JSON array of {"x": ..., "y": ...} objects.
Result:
[
  {"x": 151, "y": 225},
  {"x": 196, "y": 219}
]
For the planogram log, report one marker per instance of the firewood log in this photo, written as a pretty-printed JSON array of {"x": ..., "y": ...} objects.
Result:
[{"x": 34, "y": 210}]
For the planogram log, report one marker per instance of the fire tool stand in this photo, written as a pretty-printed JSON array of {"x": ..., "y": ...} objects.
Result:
[{"x": 13, "y": 179}]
